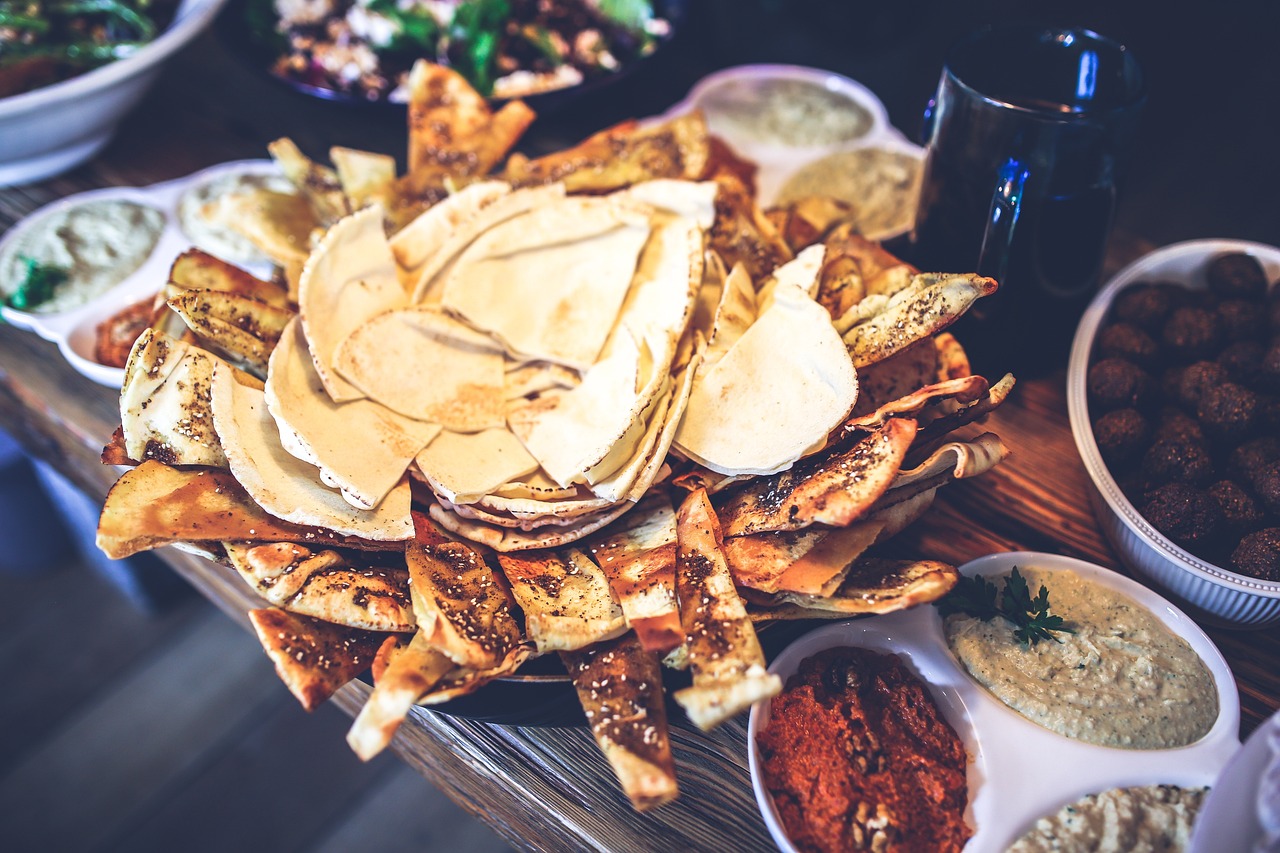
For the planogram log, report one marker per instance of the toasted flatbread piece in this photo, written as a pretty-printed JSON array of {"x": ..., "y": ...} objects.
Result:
[
  {"x": 953, "y": 361},
  {"x": 463, "y": 468},
  {"x": 114, "y": 453},
  {"x": 880, "y": 586},
  {"x": 278, "y": 224},
  {"x": 619, "y": 684},
  {"x": 932, "y": 303},
  {"x": 317, "y": 183},
  {"x": 923, "y": 403},
  {"x": 566, "y": 599},
  {"x": 197, "y": 270},
  {"x": 463, "y": 681},
  {"x": 758, "y": 560},
  {"x": 465, "y": 391},
  {"x": 785, "y": 384},
  {"x": 550, "y": 283},
  {"x": 622, "y": 156},
  {"x": 897, "y": 376},
  {"x": 724, "y": 654},
  {"x": 802, "y": 271},
  {"x": 735, "y": 313},
  {"x": 506, "y": 539},
  {"x": 462, "y": 608},
  {"x": 366, "y": 177},
  {"x": 319, "y": 431},
  {"x": 955, "y": 460},
  {"x": 537, "y": 377},
  {"x": 693, "y": 200},
  {"x": 313, "y": 658},
  {"x": 164, "y": 403},
  {"x": 154, "y": 505},
  {"x": 834, "y": 487},
  {"x": 238, "y": 327},
  {"x": 408, "y": 675},
  {"x": 638, "y": 556},
  {"x": 415, "y": 242},
  {"x": 953, "y": 420},
  {"x": 340, "y": 587},
  {"x": 348, "y": 280}
]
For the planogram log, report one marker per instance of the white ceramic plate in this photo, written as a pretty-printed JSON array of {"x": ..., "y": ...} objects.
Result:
[
  {"x": 777, "y": 162},
  {"x": 73, "y": 330},
  {"x": 1229, "y": 818},
  {"x": 1018, "y": 771}
]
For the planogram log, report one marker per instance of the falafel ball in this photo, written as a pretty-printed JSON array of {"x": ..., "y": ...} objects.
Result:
[
  {"x": 1177, "y": 460},
  {"x": 1185, "y": 514},
  {"x": 1115, "y": 383},
  {"x": 1242, "y": 361},
  {"x": 1266, "y": 482},
  {"x": 1269, "y": 369},
  {"x": 1237, "y": 275},
  {"x": 1258, "y": 555},
  {"x": 1173, "y": 423},
  {"x": 1228, "y": 412},
  {"x": 1191, "y": 334},
  {"x": 1195, "y": 379},
  {"x": 1241, "y": 320},
  {"x": 1121, "y": 435},
  {"x": 1125, "y": 340},
  {"x": 1240, "y": 511},
  {"x": 1148, "y": 304},
  {"x": 1253, "y": 456}
]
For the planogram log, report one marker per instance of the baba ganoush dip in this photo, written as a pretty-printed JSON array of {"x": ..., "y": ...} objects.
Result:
[
  {"x": 94, "y": 246},
  {"x": 201, "y": 220},
  {"x": 882, "y": 185},
  {"x": 1122, "y": 679},
  {"x": 783, "y": 112},
  {"x": 1122, "y": 820}
]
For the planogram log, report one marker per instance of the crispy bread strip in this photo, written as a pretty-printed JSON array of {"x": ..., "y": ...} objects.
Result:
[
  {"x": 197, "y": 270},
  {"x": 114, "y": 453},
  {"x": 341, "y": 587},
  {"x": 639, "y": 559},
  {"x": 153, "y": 505},
  {"x": 242, "y": 328},
  {"x": 566, "y": 599},
  {"x": 932, "y": 303},
  {"x": 462, "y": 681},
  {"x": 463, "y": 608},
  {"x": 725, "y": 655},
  {"x": 409, "y": 674},
  {"x": 872, "y": 586},
  {"x": 833, "y": 487},
  {"x": 313, "y": 658},
  {"x": 619, "y": 684}
]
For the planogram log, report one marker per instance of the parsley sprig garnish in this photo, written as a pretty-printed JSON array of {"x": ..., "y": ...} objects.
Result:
[{"x": 979, "y": 598}]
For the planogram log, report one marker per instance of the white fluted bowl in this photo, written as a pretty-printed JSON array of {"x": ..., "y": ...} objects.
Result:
[
  {"x": 1216, "y": 595},
  {"x": 55, "y": 128}
]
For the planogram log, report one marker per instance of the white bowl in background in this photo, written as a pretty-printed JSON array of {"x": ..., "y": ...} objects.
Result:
[
  {"x": 1009, "y": 787},
  {"x": 1215, "y": 594},
  {"x": 54, "y": 128}
]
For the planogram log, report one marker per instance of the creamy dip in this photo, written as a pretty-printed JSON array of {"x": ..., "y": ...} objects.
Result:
[
  {"x": 1122, "y": 679},
  {"x": 98, "y": 244},
  {"x": 202, "y": 220},
  {"x": 1122, "y": 820},
  {"x": 882, "y": 185},
  {"x": 783, "y": 112}
]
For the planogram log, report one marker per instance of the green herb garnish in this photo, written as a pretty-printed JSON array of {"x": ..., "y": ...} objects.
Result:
[
  {"x": 38, "y": 284},
  {"x": 477, "y": 26},
  {"x": 977, "y": 597}
]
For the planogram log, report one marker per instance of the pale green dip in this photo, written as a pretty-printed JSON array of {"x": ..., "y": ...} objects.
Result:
[
  {"x": 1122, "y": 679},
  {"x": 1122, "y": 820},
  {"x": 98, "y": 243}
]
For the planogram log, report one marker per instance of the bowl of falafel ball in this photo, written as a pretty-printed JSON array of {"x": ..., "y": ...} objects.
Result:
[{"x": 1173, "y": 391}]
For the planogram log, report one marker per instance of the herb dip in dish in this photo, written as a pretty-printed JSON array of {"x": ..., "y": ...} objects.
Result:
[
  {"x": 1122, "y": 679},
  {"x": 883, "y": 185},
  {"x": 779, "y": 111},
  {"x": 80, "y": 252},
  {"x": 202, "y": 220},
  {"x": 1121, "y": 820}
]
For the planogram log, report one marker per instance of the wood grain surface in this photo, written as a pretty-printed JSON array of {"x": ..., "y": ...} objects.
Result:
[{"x": 546, "y": 788}]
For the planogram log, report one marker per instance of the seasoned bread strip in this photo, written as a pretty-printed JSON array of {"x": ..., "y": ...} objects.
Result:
[{"x": 313, "y": 658}]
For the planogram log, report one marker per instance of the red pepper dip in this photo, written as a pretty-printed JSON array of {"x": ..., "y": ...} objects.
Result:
[{"x": 858, "y": 757}]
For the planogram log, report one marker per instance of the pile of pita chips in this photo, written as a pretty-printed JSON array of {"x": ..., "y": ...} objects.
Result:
[{"x": 596, "y": 404}]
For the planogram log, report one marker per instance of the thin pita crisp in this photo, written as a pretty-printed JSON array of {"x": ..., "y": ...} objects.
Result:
[
  {"x": 409, "y": 675},
  {"x": 312, "y": 658},
  {"x": 164, "y": 403},
  {"x": 566, "y": 599},
  {"x": 463, "y": 468}
]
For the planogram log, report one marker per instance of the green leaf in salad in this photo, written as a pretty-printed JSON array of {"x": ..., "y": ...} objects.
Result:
[
  {"x": 630, "y": 14},
  {"x": 39, "y": 284},
  {"x": 416, "y": 29},
  {"x": 477, "y": 27}
]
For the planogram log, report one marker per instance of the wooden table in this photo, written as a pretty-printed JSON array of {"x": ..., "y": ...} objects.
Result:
[{"x": 548, "y": 788}]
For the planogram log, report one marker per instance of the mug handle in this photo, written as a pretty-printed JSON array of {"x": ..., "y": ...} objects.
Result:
[{"x": 1006, "y": 204}]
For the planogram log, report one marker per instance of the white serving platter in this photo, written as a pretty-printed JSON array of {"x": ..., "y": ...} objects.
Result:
[{"x": 1018, "y": 771}]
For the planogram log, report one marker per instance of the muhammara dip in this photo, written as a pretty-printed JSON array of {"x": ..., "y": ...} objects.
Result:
[
  {"x": 1122, "y": 820},
  {"x": 1122, "y": 679}
]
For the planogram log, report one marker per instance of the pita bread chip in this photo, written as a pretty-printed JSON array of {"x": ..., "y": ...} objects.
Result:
[
  {"x": 827, "y": 559},
  {"x": 462, "y": 468},
  {"x": 952, "y": 420},
  {"x": 340, "y": 587},
  {"x": 462, "y": 609},
  {"x": 835, "y": 487},
  {"x": 463, "y": 681},
  {"x": 953, "y": 361},
  {"x": 312, "y": 658},
  {"x": 919, "y": 403},
  {"x": 784, "y": 385},
  {"x": 897, "y": 376},
  {"x": 638, "y": 556},
  {"x": 440, "y": 256},
  {"x": 366, "y": 178},
  {"x": 536, "y": 377},
  {"x": 348, "y": 280},
  {"x": 465, "y": 391},
  {"x": 409, "y": 675},
  {"x": 619, "y": 684},
  {"x": 197, "y": 270},
  {"x": 758, "y": 560},
  {"x": 566, "y": 599},
  {"x": 415, "y": 242},
  {"x": 505, "y": 539},
  {"x": 802, "y": 271},
  {"x": 882, "y": 586},
  {"x": 914, "y": 314},
  {"x": 695, "y": 200},
  {"x": 278, "y": 224},
  {"x": 317, "y": 430},
  {"x": 728, "y": 664},
  {"x": 238, "y": 327},
  {"x": 318, "y": 184},
  {"x": 957, "y": 460},
  {"x": 164, "y": 403},
  {"x": 284, "y": 485},
  {"x": 735, "y": 313},
  {"x": 153, "y": 505},
  {"x": 550, "y": 282}
]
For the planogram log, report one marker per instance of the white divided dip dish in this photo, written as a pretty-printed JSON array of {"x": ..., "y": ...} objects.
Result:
[
  {"x": 74, "y": 330},
  {"x": 1018, "y": 771}
]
